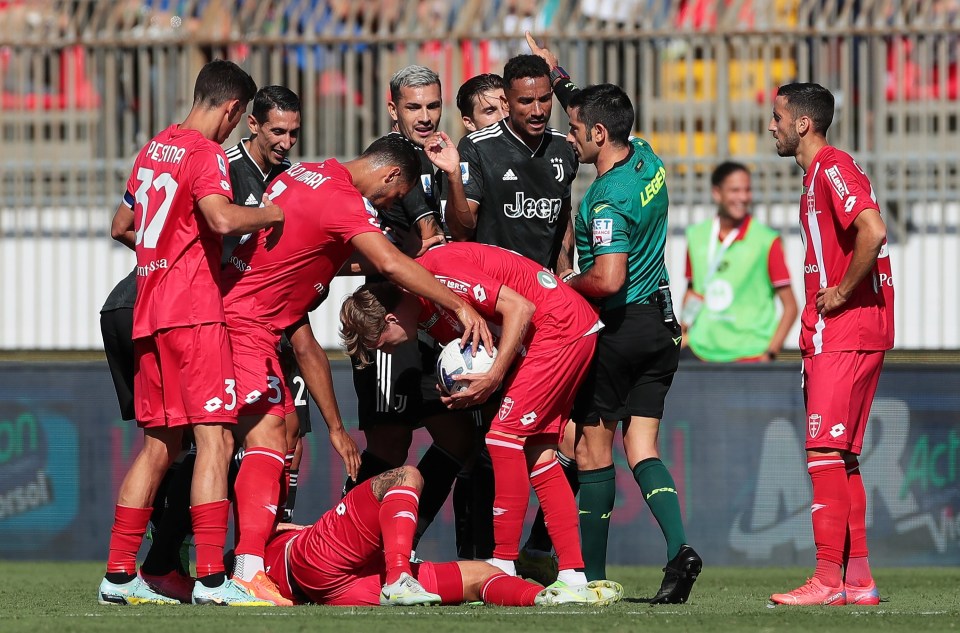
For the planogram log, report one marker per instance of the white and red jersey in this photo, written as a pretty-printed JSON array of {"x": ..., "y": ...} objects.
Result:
[
  {"x": 322, "y": 211},
  {"x": 178, "y": 254},
  {"x": 477, "y": 272},
  {"x": 835, "y": 191}
]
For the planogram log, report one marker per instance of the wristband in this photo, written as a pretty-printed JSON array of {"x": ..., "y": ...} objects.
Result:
[
  {"x": 569, "y": 275},
  {"x": 772, "y": 354},
  {"x": 557, "y": 73}
]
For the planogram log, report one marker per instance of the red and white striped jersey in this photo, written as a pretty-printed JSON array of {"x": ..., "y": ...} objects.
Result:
[{"x": 835, "y": 192}]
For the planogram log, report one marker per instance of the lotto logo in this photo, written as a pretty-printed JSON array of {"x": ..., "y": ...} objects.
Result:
[
  {"x": 213, "y": 404},
  {"x": 341, "y": 509},
  {"x": 837, "y": 430},
  {"x": 479, "y": 293},
  {"x": 528, "y": 418},
  {"x": 848, "y": 205},
  {"x": 252, "y": 397}
]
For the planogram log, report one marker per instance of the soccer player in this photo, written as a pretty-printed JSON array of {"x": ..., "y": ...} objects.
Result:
[
  {"x": 481, "y": 101},
  {"x": 394, "y": 394},
  {"x": 176, "y": 208},
  {"x": 845, "y": 327},
  {"x": 274, "y": 124},
  {"x": 736, "y": 270},
  {"x": 548, "y": 334},
  {"x": 358, "y": 554},
  {"x": 267, "y": 289},
  {"x": 516, "y": 175}
]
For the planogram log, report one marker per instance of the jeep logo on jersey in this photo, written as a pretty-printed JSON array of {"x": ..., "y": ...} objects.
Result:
[
  {"x": 557, "y": 163},
  {"x": 544, "y": 208},
  {"x": 546, "y": 280},
  {"x": 456, "y": 285}
]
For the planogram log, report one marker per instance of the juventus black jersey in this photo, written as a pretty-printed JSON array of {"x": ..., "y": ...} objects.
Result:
[
  {"x": 418, "y": 203},
  {"x": 519, "y": 191},
  {"x": 249, "y": 183}
]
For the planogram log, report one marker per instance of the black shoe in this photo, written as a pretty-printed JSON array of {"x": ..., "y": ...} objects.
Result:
[{"x": 678, "y": 577}]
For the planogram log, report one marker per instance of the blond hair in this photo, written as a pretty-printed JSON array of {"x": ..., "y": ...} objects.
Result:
[{"x": 363, "y": 318}]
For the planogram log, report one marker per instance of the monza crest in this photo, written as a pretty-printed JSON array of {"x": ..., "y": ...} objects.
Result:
[
  {"x": 505, "y": 408},
  {"x": 813, "y": 424}
]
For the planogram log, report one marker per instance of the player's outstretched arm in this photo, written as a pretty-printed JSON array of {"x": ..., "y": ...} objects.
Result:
[
  {"x": 516, "y": 312},
  {"x": 315, "y": 368},
  {"x": 871, "y": 233},
  {"x": 121, "y": 229},
  {"x": 410, "y": 275},
  {"x": 226, "y": 218}
]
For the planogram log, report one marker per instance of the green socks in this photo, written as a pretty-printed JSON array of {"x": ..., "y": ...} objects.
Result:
[
  {"x": 660, "y": 494},
  {"x": 598, "y": 491}
]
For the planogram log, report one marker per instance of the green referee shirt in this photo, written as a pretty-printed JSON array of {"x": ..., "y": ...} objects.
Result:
[{"x": 625, "y": 211}]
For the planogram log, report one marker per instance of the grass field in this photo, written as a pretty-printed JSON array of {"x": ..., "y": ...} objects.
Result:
[{"x": 60, "y": 597}]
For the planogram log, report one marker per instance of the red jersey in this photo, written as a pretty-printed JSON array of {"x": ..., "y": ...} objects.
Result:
[
  {"x": 178, "y": 254},
  {"x": 835, "y": 191},
  {"x": 478, "y": 271},
  {"x": 323, "y": 211}
]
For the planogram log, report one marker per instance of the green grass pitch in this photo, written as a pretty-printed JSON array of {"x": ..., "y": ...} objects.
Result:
[{"x": 61, "y": 598}]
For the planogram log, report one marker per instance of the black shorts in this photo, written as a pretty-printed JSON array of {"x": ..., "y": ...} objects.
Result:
[
  {"x": 636, "y": 359},
  {"x": 298, "y": 388},
  {"x": 116, "y": 326},
  {"x": 398, "y": 388}
]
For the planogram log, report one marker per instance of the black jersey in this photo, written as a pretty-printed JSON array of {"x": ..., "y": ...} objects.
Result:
[
  {"x": 249, "y": 183},
  {"x": 519, "y": 191},
  {"x": 419, "y": 203},
  {"x": 123, "y": 295}
]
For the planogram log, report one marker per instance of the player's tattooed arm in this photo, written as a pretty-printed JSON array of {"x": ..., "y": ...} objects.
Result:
[{"x": 393, "y": 478}]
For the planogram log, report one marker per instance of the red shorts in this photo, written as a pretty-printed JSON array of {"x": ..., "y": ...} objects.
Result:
[
  {"x": 256, "y": 359},
  {"x": 184, "y": 375},
  {"x": 539, "y": 394},
  {"x": 339, "y": 559},
  {"x": 838, "y": 390}
]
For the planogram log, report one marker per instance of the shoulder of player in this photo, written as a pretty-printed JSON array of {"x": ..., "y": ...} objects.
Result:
[
  {"x": 486, "y": 134},
  {"x": 235, "y": 152}
]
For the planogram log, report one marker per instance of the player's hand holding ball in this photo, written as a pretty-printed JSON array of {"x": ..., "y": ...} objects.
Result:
[{"x": 466, "y": 378}]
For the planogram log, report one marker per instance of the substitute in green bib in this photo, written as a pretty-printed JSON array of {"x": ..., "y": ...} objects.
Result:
[{"x": 735, "y": 271}]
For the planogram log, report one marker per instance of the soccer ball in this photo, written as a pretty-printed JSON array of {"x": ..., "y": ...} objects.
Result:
[{"x": 454, "y": 362}]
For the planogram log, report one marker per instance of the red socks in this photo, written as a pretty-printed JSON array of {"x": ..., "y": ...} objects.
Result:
[
  {"x": 511, "y": 494},
  {"x": 257, "y": 493},
  {"x": 559, "y": 512},
  {"x": 857, "y": 567},
  {"x": 209, "y": 535},
  {"x": 129, "y": 526},
  {"x": 509, "y": 591},
  {"x": 830, "y": 512},
  {"x": 398, "y": 522}
]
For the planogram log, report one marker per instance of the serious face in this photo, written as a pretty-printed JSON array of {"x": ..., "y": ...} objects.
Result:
[
  {"x": 530, "y": 102},
  {"x": 581, "y": 139},
  {"x": 273, "y": 139},
  {"x": 784, "y": 128},
  {"x": 416, "y": 113},
  {"x": 734, "y": 196},
  {"x": 488, "y": 108}
]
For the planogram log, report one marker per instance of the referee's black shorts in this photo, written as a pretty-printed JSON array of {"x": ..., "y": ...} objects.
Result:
[
  {"x": 636, "y": 359},
  {"x": 116, "y": 326}
]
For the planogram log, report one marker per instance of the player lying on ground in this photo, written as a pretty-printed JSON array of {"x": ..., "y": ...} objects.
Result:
[
  {"x": 548, "y": 329},
  {"x": 358, "y": 554}
]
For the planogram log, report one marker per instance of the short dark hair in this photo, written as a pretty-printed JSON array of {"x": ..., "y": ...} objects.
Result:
[
  {"x": 522, "y": 67},
  {"x": 274, "y": 98},
  {"x": 473, "y": 87},
  {"x": 724, "y": 170},
  {"x": 607, "y": 105},
  {"x": 812, "y": 100},
  {"x": 394, "y": 149},
  {"x": 220, "y": 81}
]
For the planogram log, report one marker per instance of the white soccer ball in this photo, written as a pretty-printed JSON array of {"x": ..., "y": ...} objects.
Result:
[{"x": 454, "y": 362}]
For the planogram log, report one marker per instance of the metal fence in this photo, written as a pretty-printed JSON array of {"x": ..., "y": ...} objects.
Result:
[{"x": 84, "y": 83}]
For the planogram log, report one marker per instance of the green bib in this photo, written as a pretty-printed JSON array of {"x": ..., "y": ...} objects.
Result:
[{"x": 739, "y": 314}]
